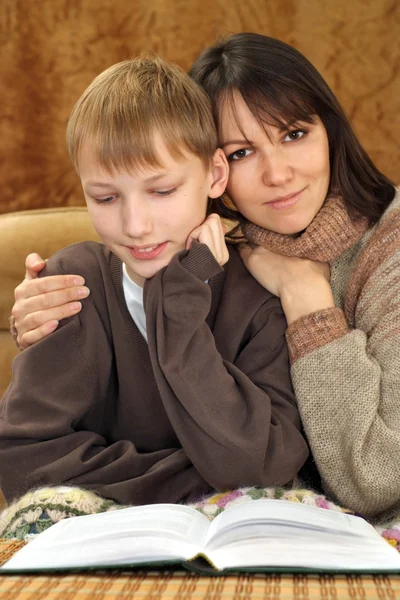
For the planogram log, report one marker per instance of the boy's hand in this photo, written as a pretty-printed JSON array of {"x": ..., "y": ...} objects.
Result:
[
  {"x": 41, "y": 303},
  {"x": 212, "y": 233}
]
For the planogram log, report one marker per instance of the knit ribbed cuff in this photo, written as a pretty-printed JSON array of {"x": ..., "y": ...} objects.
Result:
[
  {"x": 314, "y": 331},
  {"x": 201, "y": 262}
]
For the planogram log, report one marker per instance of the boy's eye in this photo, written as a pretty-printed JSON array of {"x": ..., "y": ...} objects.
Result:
[
  {"x": 164, "y": 192},
  {"x": 295, "y": 134},
  {"x": 105, "y": 200},
  {"x": 238, "y": 154}
]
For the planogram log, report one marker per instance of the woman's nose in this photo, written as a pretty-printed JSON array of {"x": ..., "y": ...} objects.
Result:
[{"x": 276, "y": 169}]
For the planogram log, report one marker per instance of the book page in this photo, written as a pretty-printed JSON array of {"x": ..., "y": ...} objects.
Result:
[
  {"x": 273, "y": 533},
  {"x": 281, "y": 511},
  {"x": 306, "y": 550},
  {"x": 141, "y": 534}
]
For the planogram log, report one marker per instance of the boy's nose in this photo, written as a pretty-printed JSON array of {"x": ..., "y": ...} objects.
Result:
[
  {"x": 276, "y": 170},
  {"x": 136, "y": 222}
]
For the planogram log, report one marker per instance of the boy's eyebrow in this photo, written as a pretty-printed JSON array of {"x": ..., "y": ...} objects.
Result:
[
  {"x": 150, "y": 179},
  {"x": 97, "y": 184},
  {"x": 157, "y": 176}
]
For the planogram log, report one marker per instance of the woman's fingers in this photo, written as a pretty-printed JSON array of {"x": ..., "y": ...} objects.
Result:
[
  {"x": 35, "y": 335},
  {"x": 49, "y": 300},
  {"x": 41, "y": 286},
  {"x": 41, "y": 303},
  {"x": 36, "y": 325},
  {"x": 36, "y": 320},
  {"x": 33, "y": 265}
]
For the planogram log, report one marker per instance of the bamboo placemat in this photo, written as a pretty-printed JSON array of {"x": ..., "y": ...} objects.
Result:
[{"x": 179, "y": 585}]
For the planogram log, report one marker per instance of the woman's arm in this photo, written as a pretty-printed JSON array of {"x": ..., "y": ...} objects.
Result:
[
  {"x": 301, "y": 284},
  {"x": 40, "y": 303},
  {"x": 346, "y": 377},
  {"x": 347, "y": 383}
]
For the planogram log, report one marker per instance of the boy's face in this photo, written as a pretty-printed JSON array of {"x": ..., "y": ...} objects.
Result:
[{"x": 146, "y": 216}]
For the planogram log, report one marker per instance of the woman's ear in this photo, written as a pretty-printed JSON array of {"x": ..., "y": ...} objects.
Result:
[{"x": 219, "y": 174}]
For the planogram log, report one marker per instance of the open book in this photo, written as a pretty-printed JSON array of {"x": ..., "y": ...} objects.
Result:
[{"x": 260, "y": 535}]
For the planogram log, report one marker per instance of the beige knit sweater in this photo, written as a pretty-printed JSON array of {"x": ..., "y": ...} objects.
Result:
[{"x": 346, "y": 374}]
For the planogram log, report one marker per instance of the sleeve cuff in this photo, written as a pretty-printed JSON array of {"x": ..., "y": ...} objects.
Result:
[
  {"x": 200, "y": 261},
  {"x": 314, "y": 331}
]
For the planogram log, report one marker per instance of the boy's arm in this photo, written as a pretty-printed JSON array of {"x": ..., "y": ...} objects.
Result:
[
  {"x": 237, "y": 420},
  {"x": 51, "y": 419},
  {"x": 40, "y": 303}
]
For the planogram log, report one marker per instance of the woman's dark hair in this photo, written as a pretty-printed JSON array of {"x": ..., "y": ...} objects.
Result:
[{"x": 280, "y": 87}]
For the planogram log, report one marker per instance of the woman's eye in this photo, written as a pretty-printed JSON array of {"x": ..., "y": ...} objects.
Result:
[
  {"x": 242, "y": 153},
  {"x": 294, "y": 135}
]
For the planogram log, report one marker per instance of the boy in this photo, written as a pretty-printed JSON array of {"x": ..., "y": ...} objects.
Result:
[{"x": 174, "y": 379}]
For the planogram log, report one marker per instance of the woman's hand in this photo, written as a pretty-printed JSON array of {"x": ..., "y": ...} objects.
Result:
[
  {"x": 41, "y": 303},
  {"x": 212, "y": 233},
  {"x": 301, "y": 284}
]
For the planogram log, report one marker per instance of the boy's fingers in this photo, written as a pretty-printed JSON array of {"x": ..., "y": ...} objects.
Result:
[
  {"x": 194, "y": 235},
  {"x": 211, "y": 233},
  {"x": 189, "y": 242},
  {"x": 217, "y": 229}
]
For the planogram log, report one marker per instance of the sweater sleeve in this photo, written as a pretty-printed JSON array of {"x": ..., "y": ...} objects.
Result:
[
  {"x": 237, "y": 421},
  {"x": 347, "y": 383},
  {"x": 52, "y": 422}
]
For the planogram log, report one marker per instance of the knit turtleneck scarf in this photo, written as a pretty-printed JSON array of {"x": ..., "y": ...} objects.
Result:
[{"x": 328, "y": 236}]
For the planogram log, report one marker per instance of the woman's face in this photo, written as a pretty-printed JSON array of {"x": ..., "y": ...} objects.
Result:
[{"x": 278, "y": 179}]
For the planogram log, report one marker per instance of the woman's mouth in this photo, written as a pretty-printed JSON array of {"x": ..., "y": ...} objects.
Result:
[
  {"x": 147, "y": 252},
  {"x": 285, "y": 201}
]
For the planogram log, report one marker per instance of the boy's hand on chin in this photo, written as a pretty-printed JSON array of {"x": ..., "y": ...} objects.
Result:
[{"x": 212, "y": 233}]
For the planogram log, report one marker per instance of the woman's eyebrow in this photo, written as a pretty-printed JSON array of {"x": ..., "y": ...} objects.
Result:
[
  {"x": 237, "y": 141},
  {"x": 295, "y": 122}
]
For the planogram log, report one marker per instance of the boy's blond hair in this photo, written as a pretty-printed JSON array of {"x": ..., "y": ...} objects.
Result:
[{"x": 126, "y": 105}]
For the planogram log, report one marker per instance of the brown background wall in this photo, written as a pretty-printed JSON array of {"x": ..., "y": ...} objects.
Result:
[{"x": 51, "y": 49}]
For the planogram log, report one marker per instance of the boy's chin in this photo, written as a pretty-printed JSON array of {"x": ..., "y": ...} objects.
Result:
[{"x": 139, "y": 273}]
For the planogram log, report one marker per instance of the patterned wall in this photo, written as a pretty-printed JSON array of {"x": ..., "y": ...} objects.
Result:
[{"x": 51, "y": 49}]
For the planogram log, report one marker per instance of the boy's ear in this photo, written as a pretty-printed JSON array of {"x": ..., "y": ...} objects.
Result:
[{"x": 219, "y": 174}]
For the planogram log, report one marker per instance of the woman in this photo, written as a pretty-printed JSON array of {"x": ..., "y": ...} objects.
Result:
[{"x": 323, "y": 225}]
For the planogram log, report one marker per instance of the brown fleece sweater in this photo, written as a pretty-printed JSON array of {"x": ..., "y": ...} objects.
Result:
[{"x": 206, "y": 404}]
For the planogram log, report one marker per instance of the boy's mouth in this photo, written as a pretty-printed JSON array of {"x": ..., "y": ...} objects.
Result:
[{"x": 147, "y": 252}]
